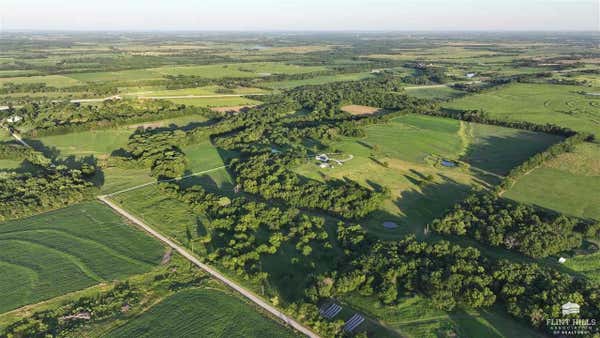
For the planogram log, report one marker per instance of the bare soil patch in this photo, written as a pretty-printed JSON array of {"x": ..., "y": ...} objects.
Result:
[{"x": 356, "y": 109}]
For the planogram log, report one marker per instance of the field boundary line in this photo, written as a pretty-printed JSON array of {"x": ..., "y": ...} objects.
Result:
[
  {"x": 213, "y": 272},
  {"x": 198, "y": 96},
  {"x": 169, "y": 180}
]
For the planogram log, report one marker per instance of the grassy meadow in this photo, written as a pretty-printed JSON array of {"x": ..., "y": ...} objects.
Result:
[
  {"x": 422, "y": 190},
  {"x": 69, "y": 249},
  {"x": 575, "y": 184},
  {"x": 237, "y": 70}
]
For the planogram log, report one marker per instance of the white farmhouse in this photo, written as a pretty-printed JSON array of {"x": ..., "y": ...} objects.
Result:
[{"x": 14, "y": 119}]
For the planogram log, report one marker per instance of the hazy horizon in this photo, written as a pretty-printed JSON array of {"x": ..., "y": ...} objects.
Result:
[{"x": 296, "y": 16}]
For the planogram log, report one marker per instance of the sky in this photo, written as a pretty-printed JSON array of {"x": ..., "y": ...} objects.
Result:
[{"x": 301, "y": 15}]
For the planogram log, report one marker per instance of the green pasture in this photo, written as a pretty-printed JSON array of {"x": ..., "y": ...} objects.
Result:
[
  {"x": 240, "y": 70},
  {"x": 568, "y": 184},
  {"x": 69, "y": 249},
  {"x": 400, "y": 155},
  {"x": 170, "y": 216},
  {"x": 287, "y": 84},
  {"x": 50, "y": 80},
  {"x": 101, "y": 143},
  {"x": 202, "y": 313},
  {"x": 538, "y": 103},
  {"x": 123, "y": 75}
]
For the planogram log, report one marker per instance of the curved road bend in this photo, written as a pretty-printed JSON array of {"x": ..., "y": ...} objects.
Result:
[{"x": 258, "y": 301}]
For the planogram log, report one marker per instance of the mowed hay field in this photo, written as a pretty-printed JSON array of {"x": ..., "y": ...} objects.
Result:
[
  {"x": 202, "y": 313},
  {"x": 574, "y": 187},
  {"x": 69, "y": 249},
  {"x": 168, "y": 215},
  {"x": 420, "y": 190},
  {"x": 539, "y": 103}
]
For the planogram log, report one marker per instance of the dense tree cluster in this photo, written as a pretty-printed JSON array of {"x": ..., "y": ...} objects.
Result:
[
  {"x": 27, "y": 194},
  {"x": 424, "y": 75},
  {"x": 536, "y": 294},
  {"x": 382, "y": 92},
  {"x": 500, "y": 222},
  {"x": 242, "y": 230},
  {"x": 158, "y": 150},
  {"x": 450, "y": 274},
  {"x": 268, "y": 175}
]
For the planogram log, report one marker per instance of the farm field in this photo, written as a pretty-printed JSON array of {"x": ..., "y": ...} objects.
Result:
[
  {"x": 539, "y": 103},
  {"x": 49, "y": 80},
  {"x": 208, "y": 90},
  {"x": 67, "y": 250},
  {"x": 316, "y": 80},
  {"x": 422, "y": 190},
  {"x": 201, "y": 313},
  {"x": 123, "y": 75},
  {"x": 242, "y": 70},
  {"x": 575, "y": 184}
]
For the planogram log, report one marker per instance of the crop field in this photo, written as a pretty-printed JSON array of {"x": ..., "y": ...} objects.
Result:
[
  {"x": 49, "y": 80},
  {"x": 201, "y": 313},
  {"x": 420, "y": 190},
  {"x": 539, "y": 103},
  {"x": 67, "y": 250},
  {"x": 243, "y": 70},
  {"x": 287, "y": 84},
  {"x": 575, "y": 184},
  {"x": 124, "y": 75}
]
